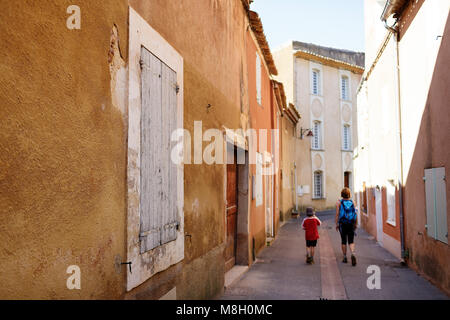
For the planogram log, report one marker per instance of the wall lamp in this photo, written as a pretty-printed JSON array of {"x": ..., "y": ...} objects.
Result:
[{"x": 308, "y": 132}]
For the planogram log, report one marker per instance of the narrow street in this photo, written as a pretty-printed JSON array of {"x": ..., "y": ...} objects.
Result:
[{"x": 280, "y": 271}]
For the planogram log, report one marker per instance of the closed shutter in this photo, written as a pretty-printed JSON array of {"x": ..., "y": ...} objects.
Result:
[
  {"x": 258, "y": 180},
  {"x": 315, "y": 82},
  {"x": 317, "y": 135},
  {"x": 258, "y": 79},
  {"x": 317, "y": 184},
  {"x": 347, "y": 138},
  {"x": 344, "y": 87},
  {"x": 436, "y": 204},
  {"x": 158, "y": 211}
]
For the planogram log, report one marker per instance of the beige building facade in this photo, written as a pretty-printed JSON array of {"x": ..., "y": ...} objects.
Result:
[{"x": 321, "y": 82}]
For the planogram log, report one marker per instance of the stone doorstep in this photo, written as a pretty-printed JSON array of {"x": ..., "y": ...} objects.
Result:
[{"x": 234, "y": 274}]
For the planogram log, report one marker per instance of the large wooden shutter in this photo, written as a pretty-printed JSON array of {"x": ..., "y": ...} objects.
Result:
[{"x": 158, "y": 194}]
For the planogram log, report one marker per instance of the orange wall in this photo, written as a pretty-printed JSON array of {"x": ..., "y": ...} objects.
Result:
[{"x": 260, "y": 118}]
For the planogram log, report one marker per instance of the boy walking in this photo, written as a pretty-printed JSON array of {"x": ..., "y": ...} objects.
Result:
[{"x": 310, "y": 224}]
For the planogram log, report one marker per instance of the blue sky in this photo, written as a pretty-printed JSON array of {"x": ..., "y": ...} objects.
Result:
[{"x": 332, "y": 23}]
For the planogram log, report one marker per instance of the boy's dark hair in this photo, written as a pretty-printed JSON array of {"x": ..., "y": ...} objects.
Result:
[
  {"x": 309, "y": 211},
  {"x": 346, "y": 193}
]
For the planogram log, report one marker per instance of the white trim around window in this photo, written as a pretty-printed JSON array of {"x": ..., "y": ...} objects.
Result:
[{"x": 144, "y": 265}]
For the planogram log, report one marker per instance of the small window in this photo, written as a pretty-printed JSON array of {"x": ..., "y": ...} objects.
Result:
[
  {"x": 345, "y": 88},
  {"x": 346, "y": 139},
  {"x": 316, "y": 82},
  {"x": 390, "y": 199},
  {"x": 258, "y": 79},
  {"x": 317, "y": 138},
  {"x": 318, "y": 185}
]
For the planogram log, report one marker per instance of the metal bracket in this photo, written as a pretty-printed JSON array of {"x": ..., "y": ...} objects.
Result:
[
  {"x": 118, "y": 264},
  {"x": 128, "y": 263}
]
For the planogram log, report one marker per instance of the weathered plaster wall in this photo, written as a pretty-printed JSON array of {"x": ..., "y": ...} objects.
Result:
[
  {"x": 216, "y": 29},
  {"x": 425, "y": 102},
  {"x": 424, "y": 70},
  {"x": 63, "y": 159}
]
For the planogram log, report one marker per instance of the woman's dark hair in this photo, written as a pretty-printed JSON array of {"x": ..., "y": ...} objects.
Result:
[{"x": 346, "y": 193}]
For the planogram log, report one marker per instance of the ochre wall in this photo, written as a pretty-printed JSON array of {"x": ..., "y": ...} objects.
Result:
[{"x": 63, "y": 159}]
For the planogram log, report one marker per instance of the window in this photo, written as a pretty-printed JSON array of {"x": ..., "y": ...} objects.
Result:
[
  {"x": 318, "y": 185},
  {"x": 345, "y": 88},
  {"x": 155, "y": 220},
  {"x": 390, "y": 199},
  {"x": 317, "y": 138},
  {"x": 364, "y": 198},
  {"x": 346, "y": 138},
  {"x": 436, "y": 204},
  {"x": 258, "y": 79},
  {"x": 316, "y": 82}
]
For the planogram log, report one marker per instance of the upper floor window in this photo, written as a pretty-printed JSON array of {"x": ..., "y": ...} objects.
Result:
[
  {"x": 315, "y": 82},
  {"x": 258, "y": 79},
  {"x": 346, "y": 138},
  {"x": 317, "y": 138},
  {"x": 345, "y": 88}
]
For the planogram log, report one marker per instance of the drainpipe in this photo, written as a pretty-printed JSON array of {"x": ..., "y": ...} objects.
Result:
[
  {"x": 295, "y": 187},
  {"x": 393, "y": 29}
]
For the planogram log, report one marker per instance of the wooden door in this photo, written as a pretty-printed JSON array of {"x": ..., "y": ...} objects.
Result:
[{"x": 231, "y": 213}]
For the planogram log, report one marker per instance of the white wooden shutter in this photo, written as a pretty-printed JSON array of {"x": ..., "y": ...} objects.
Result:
[
  {"x": 315, "y": 82},
  {"x": 318, "y": 184},
  {"x": 258, "y": 79},
  {"x": 158, "y": 197},
  {"x": 347, "y": 138},
  {"x": 317, "y": 135},
  {"x": 344, "y": 87},
  {"x": 436, "y": 204},
  {"x": 258, "y": 180}
]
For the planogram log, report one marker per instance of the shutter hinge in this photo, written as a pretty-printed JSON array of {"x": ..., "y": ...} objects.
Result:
[
  {"x": 177, "y": 88},
  {"x": 141, "y": 64}
]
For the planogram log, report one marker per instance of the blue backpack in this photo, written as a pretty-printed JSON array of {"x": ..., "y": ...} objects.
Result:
[{"x": 347, "y": 212}]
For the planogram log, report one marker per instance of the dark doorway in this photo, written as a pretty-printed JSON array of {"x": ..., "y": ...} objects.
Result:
[{"x": 347, "y": 179}]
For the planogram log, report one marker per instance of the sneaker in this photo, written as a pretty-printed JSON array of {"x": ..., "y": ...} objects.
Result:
[
  {"x": 344, "y": 260},
  {"x": 353, "y": 260},
  {"x": 312, "y": 260},
  {"x": 308, "y": 260}
]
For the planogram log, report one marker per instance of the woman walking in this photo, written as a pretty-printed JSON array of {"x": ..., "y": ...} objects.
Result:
[{"x": 346, "y": 220}]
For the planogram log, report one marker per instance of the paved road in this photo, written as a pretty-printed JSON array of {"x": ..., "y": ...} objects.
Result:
[{"x": 280, "y": 271}]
